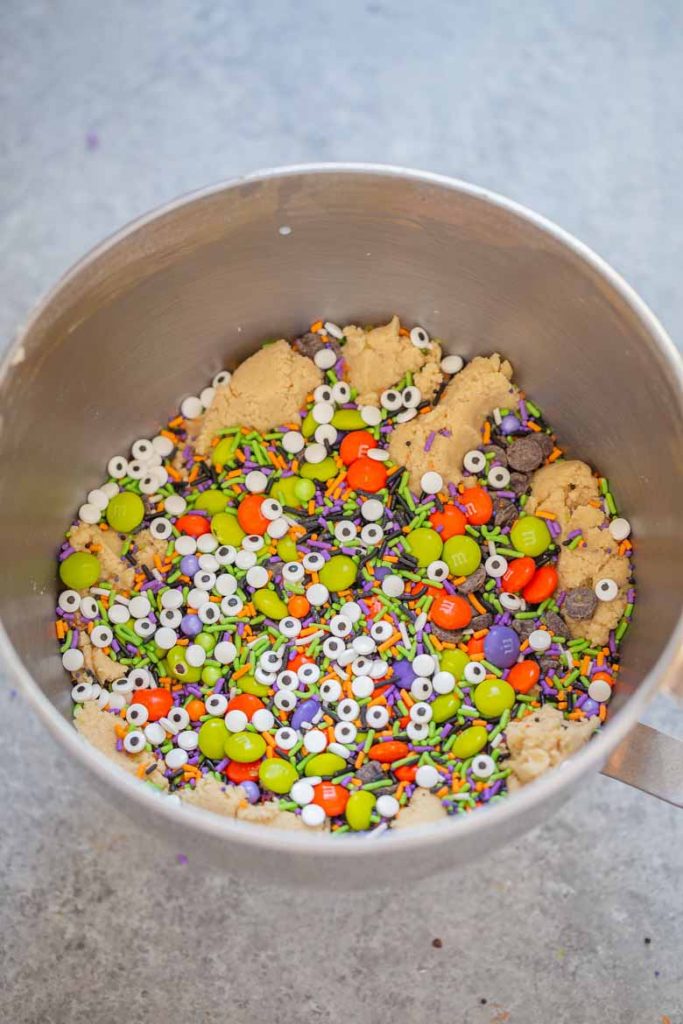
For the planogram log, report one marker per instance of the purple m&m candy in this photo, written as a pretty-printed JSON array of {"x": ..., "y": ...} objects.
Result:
[
  {"x": 191, "y": 625},
  {"x": 252, "y": 791},
  {"x": 189, "y": 565},
  {"x": 501, "y": 646},
  {"x": 306, "y": 713},
  {"x": 510, "y": 424},
  {"x": 590, "y": 708}
]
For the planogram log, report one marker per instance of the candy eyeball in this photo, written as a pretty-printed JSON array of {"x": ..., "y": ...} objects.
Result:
[
  {"x": 411, "y": 397},
  {"x": 391, "y": 400},
  {"x": 474, "y": 461},
  {"x": 221, "y": 379},
  {"x": 420, "y": 338}
]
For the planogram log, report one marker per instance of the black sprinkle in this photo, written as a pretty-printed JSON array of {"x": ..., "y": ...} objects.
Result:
[{"x": 647, "y": 940}]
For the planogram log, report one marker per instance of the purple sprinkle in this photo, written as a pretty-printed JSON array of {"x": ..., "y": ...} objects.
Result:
[
  {"x": 181, "y": 858},
  {"x": 430, "y": 440},
  {"x": 74, "y": 638},
  {"x": 222, "y": 765},
  {"x": 445, "y": 432}
]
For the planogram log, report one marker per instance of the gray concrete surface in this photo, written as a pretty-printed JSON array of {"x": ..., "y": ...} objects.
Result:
[{"x": 110, "y": 109}]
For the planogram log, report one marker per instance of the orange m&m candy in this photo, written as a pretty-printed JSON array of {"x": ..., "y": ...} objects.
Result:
[
  {"x": 249, "y": 514},
  {"x": 157, "y": 701},
  {"x": 406, "y": 773},
  {"x": 523, "y": 676},
  {"x": 246, "y": 702},
  {"x": 246, "y": 771},
  {"x": 542, "y": 586},
  {"x": 193, "y": 525},
  {"x": 195, "y": 709},
  {"x": 356, "y": 445},
  {"x": 332, "y": 798},
  {"x": 295, "y": 663},
  {"x": 449, "y": 611},
  {"x": 366, "y": 475},
  {"x": 519, "y": 572},
  {"x": 298, "y": 606},
  {"x": 477, "y": 504},
  {"x": 450, "y": 522}
]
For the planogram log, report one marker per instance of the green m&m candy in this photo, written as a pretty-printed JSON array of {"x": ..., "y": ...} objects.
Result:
[
  {"x": 324, "y": 470},
  {"x": 212, "y": 501},
  {"x": 277, "y": 775},
  {"x": 268, "y": 603},
  {"x": 125, "y": 511},
  {"x": 247, "y": 684},
  {"x": 211, "y": 674},
  {"x": 530, "y": 535},
  {"x": 462, "y": 555},
  {"x": 223, "y": 452},
  {"x": 285, "y": 491},
  {"x": 444, "y": 707},
  {"x": 244, "y": 747},
  {"x": 359, "y": 808},
  {"x": 226, "y": 529},
  {"x": 286, "y": 549},
  {"x": 338, "y": 573},
  {"x": 454, "y": 662},
  {"x": 493, "y": 697},
  {"x": 304, "y": 489},
  {"x": 211, "y": 738},
  {"x": 179, "y": 668},
  {"x": 325, "y": 765},
  {"x": 80, "y": 570},
  {"x": 348, "y": 419},
  {"x": 470, "y": 741},
  {"x": 425, "y": 545}
]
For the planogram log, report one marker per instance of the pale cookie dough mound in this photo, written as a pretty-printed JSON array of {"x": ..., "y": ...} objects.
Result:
[
  {"x": 113, "y": 568},
  {"x": 265, "y": 391},
  {"x": 147, "y": 547},
  {"x": 380, "y": 357},
  {"x": 104, "y": 668},
  {"x": 423, "y": 808},
  {"x": 484, "y": 385},
  {"x": 99, "y": 728},
  {"x": 271, "y": 815},
  {"x": 566, "y": 489},
  {"x": 542, "y": 740},
  {"x": 230, "y": 801}
]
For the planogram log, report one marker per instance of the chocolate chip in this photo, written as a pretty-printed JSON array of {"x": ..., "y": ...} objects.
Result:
[
  {"x": 545, "y": 443},
  {"x": 309, "y": 344},
  {"x": 548, "y": 665},
  {"x": 504, "y": 512},
  {"x": 580, "y": 603},
  {"x": 481, "y": 622},
  {"x": 523, "y": 628},
  {"x": 371, "y": 771},
  {"x": 474, "y": 582},
  {"x": 448, "y": 636},
  {"x": 519, "y": 483},
  {"x": 499, "y": 454},
  {"x": 556, "y": 624},
  {"x": 437, "y": 943},
  {"x": 526, "y": 454}
]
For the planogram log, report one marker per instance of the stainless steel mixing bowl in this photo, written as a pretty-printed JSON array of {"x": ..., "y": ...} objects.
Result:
[{"x": 156, "y": 310}]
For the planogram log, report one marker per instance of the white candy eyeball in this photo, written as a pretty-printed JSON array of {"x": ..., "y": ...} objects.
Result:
[
  {"x": 99, "y": 498},
  {"x": 322, "y": 412},
  {"x": 372, "y": 510},
  {"x": 175, "y": 504},
  {"x": 221, "y": 379},
  {"x": 245, "y": 558},
  {"x": 424, "y": 665},
  {"x": 332, "y": 647},
  {"x": 411, "y": 397},
  {"x": 110, "y": 490},
  {"x": 207, "y": 543},
  {"x": 348, "y": 709},
  {"x": 443, "y": 682},
  {"x": 208, "y": 562},
  {"x": 417, "y": 731},
  {"x": 309, "y": 673},
  {"x": 361, "y": 666},
  {"x": 377, "y": 716},
  {"x": 225, "y": 584},
  {"x": 606, "y": 589},
  {"x": 81, "y": 692},
  {"x": 540, "y": 640},
  {"x": 204, "y": 580},
  {"x": 162, "y": 445},
  {"x": 277, "y": 528},
  {"x": 236, "y": 720},
  {"x": 225, "y": 554},
  {"x": 431, "y": 483},
  {"x": 178, "y": 717},
  {"x": 191, "y": 407},
  {"x": 139, "y": 606},
  {"x": 290, "y": 626},
  {"x": 137, "y": 714},
  {"x": 136, "y": 469},
  {"x": 313, "y": 561},
  {"x": 263, "y": 720},
  {"x": 496, "y": 566},
  {"x": 232, "y": 606},
  {"x": 362, "y": 687},
  {"x": 421, "y": 688},
  {"x": 216, "y": 704},
  {"x": 364, "y": 645},
  {"x": 323, "y": 393},
  {"x": 325, "y": 358},
  {"x": 195, "y": 656},
  {"x": 351, "y": 610},
  {"x": 256, "y": 481},
  {"x": 313, "y": 815},
  {"x": 315, "y": 741},
  {"x": 419, "y": 337},
  {"x": 89, "y": 514},
  {"x": 72, "y": 659},
  {"x": 165, "y": 638},
  {"x": 483, "y": 766},
  {"x": 134, "y": 742},
  {"x": 117, "y": 467},
  {"x": 474, "y": 672},
  {"x": 437, "y": 570},
  {"x": 161, "y": 528},
  {"x": 378, "y": 454},
  {"x": 89, "y": 608},
  {"x": 142, "y": 449},
  {"x": 372, "y": 534},
  {"x": 185, "y": 545},
  {"x": 499, "y": 477},
  {"x": 149, "y": 484},
  {"x": 381, "y": 631},
  {"x": 209, "y": 613},
  {"x": 257, "y": 577},
  {"x": 118, "y": 614},
  {"x": 293, "y": 442},
  {"x": 511, "y": 602},
  {"x": 346, "y": 657},
  {"x": 452, "y": 364},
  {"x": 101, "y": 636},
  {"x": 391, "y": 400},
  {"x": 188, "y": 740},
  {"x": 334, "y": 330},
  {"x": 427, "y": 776},
  {"x": 252, "y": 542},
  {"x": 140, "y": 679},
  {"x": 172, "y": 599},
  {"x": 326, "y": 434},
  {"x": 341, "y": 392},
  {"x": 315, "y": 453},
  {"x": 421, "y": 713},
  {"x": 345, "y": 732},
  {"x": 387, "y": 806},
  {"x": 619, "y": 528},
  {"x": 302, "y": 792},
  {"x": 406, "y": 415},
  {"x": 378, "y": 669},
  {"x": 330, "y": 690},
  {"x": 393, "y": 585},
  {"x": 285, "y": 700},
  {"x": 474, "y": 461},
  {"x": 271, "y": 509},
  {"x": 345, "y": 530},
  {"x": 225, "y": 652},
  {"x": 340, "y": 625},
  {"x": 271, "y": 661},
  {"x": 69, "y": 601},
  {"x": 292, "y": 572},
  {"x": 317, "y": 595},
  {"x": 287, "y": 680},
  {"x": 370, "y": 415},
  {"x": 261, "y": 676}
]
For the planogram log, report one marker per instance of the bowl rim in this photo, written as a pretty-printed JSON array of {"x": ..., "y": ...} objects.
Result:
[{"x": 251, "y": 835}]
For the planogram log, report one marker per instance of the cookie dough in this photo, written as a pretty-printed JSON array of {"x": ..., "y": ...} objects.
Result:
[
  {"x": 99, "y": 728},
  {"x": 542, "y": 740},
  {"x": 380, "y": 357},
  {"x": 267, "y": 390},
  {"x": 107, "y": 547},
  {"x": 423, "y": 809},
  {"x": 569, "y": 490},
  {"x": 97, "y": 662},
  {"x": 455, "y": 424},
  {"x": 231, "y": 802}
]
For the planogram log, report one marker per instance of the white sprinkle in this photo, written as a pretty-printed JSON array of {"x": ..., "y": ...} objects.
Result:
[
  {"x": 325, "y": 359},
  {"x": 334, "y": 330},
  {"x": 191, "y": 407},
  {"x": 378, "y": 454},
  {"x": 371, "y": 415},
  {"x": 90, "y": 514},
  {"x": 293, "y": 442},
  {"x": 431, "y": 482},
  {"x": 452, "y": 364},
  {"x": 73, "y": 659},
  {"x": 315, "y": 453},
  {"x": 619, "y": 528},
  {"x": 256, "y": 481},
  {"x": 392, "y": 585}
]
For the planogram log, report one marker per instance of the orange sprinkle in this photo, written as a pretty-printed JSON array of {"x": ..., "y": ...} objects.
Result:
[
  {"x": 533, "y": 426},
  {"x": 555, "y": 454},
  {"x": 486, "y": 433},
  {"x": 545, "y": 515},
  {"x": 404, "y": 332},
  {"x": 359, "y": 760},
  {"x": 317, "y": 326},
  {"x": 241, "y": 672},
  {"x": 394, "y": 639},
  {"x": 476, "y": 604}
]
